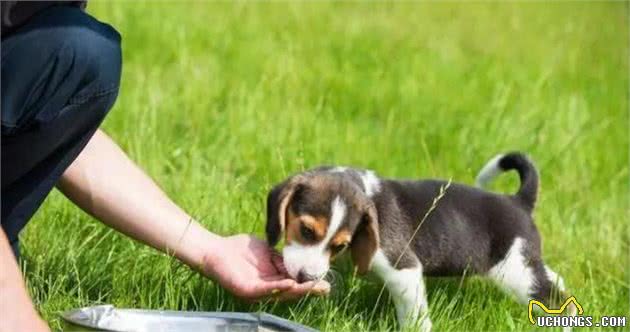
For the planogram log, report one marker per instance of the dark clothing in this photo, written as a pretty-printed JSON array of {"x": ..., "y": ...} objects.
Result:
[
  {"x": 60, "y": 76},
  {"x": 17, "y": 13}
]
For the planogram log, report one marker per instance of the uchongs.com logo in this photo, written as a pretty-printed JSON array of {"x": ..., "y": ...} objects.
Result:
[{"x": 575, "y": 317}]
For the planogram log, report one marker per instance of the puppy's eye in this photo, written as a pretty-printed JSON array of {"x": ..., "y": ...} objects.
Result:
[
  {"x": 337, "y": 249},
  {"x": 307, "y": 233}
]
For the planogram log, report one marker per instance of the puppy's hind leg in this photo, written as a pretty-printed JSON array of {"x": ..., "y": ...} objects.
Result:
[
  {"x": 406, "y": 287},
  {"x": 513, "y": 273},
  {"x": 527, "y": 278},
  {"x": 550, "y": 290},
  {"x": 555, "y": 279}
]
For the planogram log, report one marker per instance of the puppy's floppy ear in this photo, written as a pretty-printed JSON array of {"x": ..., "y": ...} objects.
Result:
[
  {"x": 277, "y": 203},
  {"x": 365, "y": 241}
]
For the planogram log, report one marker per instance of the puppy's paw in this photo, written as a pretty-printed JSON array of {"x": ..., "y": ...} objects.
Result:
[
  {"x": 423, "y": 324},
  {"x": 426, "y": 325}
]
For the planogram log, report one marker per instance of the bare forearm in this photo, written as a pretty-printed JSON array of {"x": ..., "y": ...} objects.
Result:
[
  {"x": 18, "y": 313},
  {"x": 108, "y": 185}
]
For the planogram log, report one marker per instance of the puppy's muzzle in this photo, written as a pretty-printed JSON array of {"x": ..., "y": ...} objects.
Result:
[{"x": 303, "y": 276}]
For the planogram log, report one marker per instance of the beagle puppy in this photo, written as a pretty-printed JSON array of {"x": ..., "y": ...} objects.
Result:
[{"x": 404, "y": 230}]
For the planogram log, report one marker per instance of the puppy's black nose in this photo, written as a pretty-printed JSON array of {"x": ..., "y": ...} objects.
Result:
[{"x": 302, "y": 276}]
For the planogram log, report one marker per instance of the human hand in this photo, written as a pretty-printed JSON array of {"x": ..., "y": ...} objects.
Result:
[
  {"x": 18, "y": 311},
  {"x": 20, "y": 322},
  {"x": 248, "y": 268}
]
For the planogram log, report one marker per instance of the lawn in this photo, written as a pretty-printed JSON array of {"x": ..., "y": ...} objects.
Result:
[{"x": 220, "y": 100}]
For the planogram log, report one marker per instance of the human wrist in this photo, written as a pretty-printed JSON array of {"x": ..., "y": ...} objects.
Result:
[
  {"x": 199, "y": 246},
  {"x": 211, "y": 256}
]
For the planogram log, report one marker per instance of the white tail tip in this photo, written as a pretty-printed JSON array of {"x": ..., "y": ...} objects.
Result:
[{"x": 489, "y": 171}]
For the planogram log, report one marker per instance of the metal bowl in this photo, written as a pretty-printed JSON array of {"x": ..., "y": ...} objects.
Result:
[{"x": 110, "y": 318}]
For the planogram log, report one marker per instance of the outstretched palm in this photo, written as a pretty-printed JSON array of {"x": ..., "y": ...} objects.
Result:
[{"x": 249, "y": 269}]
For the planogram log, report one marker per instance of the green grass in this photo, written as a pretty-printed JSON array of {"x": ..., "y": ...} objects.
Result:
[{"x": 221, "y": 100}]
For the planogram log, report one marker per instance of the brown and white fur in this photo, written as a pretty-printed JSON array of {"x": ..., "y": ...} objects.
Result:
[{"x": 327, "y": 209}]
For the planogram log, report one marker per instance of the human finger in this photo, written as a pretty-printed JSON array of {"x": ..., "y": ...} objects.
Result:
[{"x": 317, "y": 288}]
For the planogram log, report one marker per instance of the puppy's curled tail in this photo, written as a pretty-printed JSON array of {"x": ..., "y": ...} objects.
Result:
[{"x": 513, "y": 161}]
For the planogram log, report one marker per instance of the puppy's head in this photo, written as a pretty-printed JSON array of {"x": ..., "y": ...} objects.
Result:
[{"x": 321, "y": 213}]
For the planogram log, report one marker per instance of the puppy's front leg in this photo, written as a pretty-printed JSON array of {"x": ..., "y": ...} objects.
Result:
[{"x": 406, "y": 287}]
